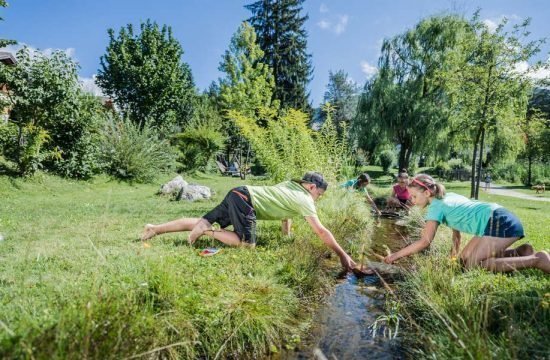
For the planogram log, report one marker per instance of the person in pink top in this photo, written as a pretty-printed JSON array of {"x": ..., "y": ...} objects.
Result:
[{"x": 400, "y": 197}]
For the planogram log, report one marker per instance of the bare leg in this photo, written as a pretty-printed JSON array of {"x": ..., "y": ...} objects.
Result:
[
  {"x": 185, "y": 224},
  {"x": 481, "y": 251},
  {"x": 200, "y": 227},
  {"x": 522, "y": 250},
  {"x": 540, "y": 260},
  {"x": 227, "y": 237}
]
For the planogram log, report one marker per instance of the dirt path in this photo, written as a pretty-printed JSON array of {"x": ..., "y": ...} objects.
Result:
[{"x": 499, "y": 190}]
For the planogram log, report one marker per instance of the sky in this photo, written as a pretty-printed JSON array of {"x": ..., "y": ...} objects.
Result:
[{"x": 342, "y": 34}]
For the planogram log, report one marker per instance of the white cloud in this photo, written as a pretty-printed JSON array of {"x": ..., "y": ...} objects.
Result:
[
  {"x": 368, "y": 69},
  {"x": 89, "y": 85},
  {"x": 338, "y": 26},
  {"x": 323, "y": 9},
  {"x": 70, "y": 52},
  {"x": 542, "y": 73},
  {"x": 491, "y": 25},
  {"x": 323, "y": 24}
]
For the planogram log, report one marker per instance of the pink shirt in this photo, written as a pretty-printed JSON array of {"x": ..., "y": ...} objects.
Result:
[{"x": 401, "y": 193}]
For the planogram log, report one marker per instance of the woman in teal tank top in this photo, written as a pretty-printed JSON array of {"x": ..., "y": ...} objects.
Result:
[{"x": 494, "y": 229}]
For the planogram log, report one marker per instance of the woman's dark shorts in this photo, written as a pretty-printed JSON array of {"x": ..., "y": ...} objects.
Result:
[
  {"x": 504, "y": 224},
  {"x": 236, "y": 209}
]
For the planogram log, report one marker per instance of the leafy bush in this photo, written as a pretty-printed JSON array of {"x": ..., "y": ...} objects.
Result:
[
  {"x": 133, "y": 154},
  {"x": 511, "y": 172},
  {"x": 387, "y": 158},
  {"x": 287, "y": 147},
  {"x": 202, "y": 139}
]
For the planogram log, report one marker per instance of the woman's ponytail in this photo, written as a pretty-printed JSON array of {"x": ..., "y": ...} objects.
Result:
[{"x": 426, "y": 182}]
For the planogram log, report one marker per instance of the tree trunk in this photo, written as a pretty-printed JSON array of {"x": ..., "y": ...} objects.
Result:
[
  {"x": 530, "y": 162},
  {"x": 480, "y": 162},
  {"x": 474, "y": 158}
]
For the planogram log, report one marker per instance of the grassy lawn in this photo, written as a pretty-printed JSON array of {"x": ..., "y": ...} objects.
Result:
[{"x": 76, "y": 283}]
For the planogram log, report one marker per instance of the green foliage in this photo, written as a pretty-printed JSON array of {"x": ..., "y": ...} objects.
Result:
[
  {"x": 44, "y": 97},
  {"x": 248, "y": 85},
  {"x": 202, "y": 139},
  {"x": 387, "y": 159},
  {"x": 134, "y": 154},
  {"x": 81, "y": 159},
  {"x": 287, "y": 147},
  {"x": 283, "y": 39},
  {"x": 145, "y": 76},
  {"x": 342, "y": 93},
  {"x": 407, "y": 100}
]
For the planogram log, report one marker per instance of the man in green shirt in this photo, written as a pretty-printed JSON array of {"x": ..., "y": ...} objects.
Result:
[{"x": 243, "y": 205}]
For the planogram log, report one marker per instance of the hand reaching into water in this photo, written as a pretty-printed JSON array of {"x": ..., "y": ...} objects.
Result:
[{"x": 347, "y": 262}]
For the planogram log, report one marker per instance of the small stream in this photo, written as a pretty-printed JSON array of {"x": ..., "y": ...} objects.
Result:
[{"x": 341, "y": 327}]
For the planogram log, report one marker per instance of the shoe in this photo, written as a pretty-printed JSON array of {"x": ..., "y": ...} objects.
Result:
[{"x": 209, "y": 251}]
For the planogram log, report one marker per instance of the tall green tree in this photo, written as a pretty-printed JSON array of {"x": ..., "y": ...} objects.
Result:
[
  {"x": 342, "y": 93},
  {"x": 406, "y": 102},
  {"x": 283, "y": 38},
  {"x": 5, "y": 42},
  {"x": 44, "y": 98},
  {"x": 146, "y": 77},
  {"x": 248, "y": 85},
  {"x": 487, "y": 91}
]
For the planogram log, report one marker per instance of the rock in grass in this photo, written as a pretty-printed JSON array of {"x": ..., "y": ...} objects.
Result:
[
  {"x": 180, "y": 189},
  {"x": 194, "y": 192},
  {"x": 173, "y": 187}
]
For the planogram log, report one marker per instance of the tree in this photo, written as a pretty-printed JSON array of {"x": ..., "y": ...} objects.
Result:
[
  {"x": 5, "y": 42},
  {"x": 145, "y": 76},
  {"x": 44, "y": 98},
  {"x": 487, "y": 90},
  {"x": 282, "y": 37},
  {"x": 407, "y": 100},
  {"x": 248, "y": 85},
  {"x": 341, "y": 93}
]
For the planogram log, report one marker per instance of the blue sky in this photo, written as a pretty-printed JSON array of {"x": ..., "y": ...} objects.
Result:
[{"x": 343, "y": 34}]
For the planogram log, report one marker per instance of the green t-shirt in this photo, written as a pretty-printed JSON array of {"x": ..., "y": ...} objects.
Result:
[
  {"x": 282, "y": 201},
  {"x": 350, "y": 184},
  {"x": 461, "y": 213}
]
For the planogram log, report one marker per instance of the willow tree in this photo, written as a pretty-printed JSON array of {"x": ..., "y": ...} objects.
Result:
[
  {"x": 488, "y": 92},
  {"x": 406, "y": 102}
]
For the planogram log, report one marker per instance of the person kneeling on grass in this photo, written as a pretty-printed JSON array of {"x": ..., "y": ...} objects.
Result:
[
  {"x": 494, "y": 227},
  {"x": 243, "y": 205},
  {"x": 360, "y": 185}
]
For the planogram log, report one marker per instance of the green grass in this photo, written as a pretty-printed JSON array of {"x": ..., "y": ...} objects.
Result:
[
  {"x": 75, "y": 283},
  {"x": 478, "y": 314}
]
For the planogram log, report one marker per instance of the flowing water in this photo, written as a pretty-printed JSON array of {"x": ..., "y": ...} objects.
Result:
[{"x": 342, "y": 326}]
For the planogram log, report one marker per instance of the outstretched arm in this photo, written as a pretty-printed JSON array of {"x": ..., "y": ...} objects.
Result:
[
  {"x": 326, "y": 236},
  {"x": 428, "y": 234},
  {"x": 371, "y": 201}
]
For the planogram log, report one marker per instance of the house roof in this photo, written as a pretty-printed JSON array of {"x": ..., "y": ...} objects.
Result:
[{"x": 7, "y": 58}]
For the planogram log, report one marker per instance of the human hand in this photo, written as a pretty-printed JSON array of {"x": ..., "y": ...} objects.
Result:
[
  {"x": 390, "y": 259},
  {"x": 347, "y": 262}
]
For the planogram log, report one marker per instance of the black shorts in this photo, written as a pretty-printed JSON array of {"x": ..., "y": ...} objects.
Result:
[{"x": 236, "y": 209}]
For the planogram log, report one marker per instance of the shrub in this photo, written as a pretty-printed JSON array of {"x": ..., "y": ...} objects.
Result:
[
  {"x": 199, "y": 143},
  {"x": 133, "y": 154},
  {"x": 287, "y": 147},
  {"x": 387, "y": 158}
]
